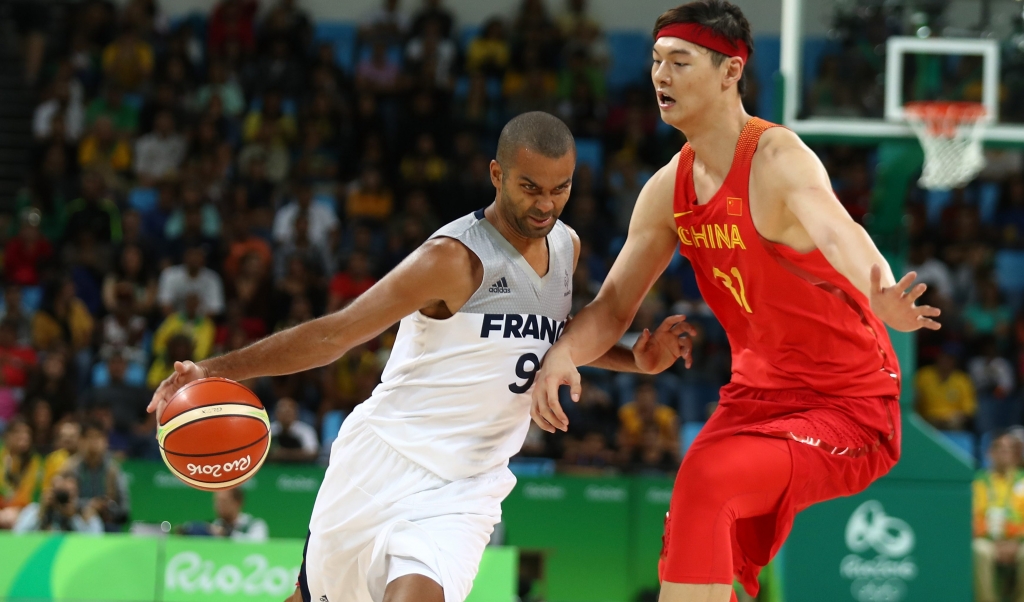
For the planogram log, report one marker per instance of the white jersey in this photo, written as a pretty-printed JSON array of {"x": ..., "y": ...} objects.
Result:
[{"x": 454, "y": 397}]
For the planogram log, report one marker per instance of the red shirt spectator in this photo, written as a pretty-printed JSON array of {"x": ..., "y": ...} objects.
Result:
[
  {"x": 15, "y": 360},
  {"x": 232, "y": 22},
  {"x": 24, "y": 253},
  {"x": 347, "y": 285}
]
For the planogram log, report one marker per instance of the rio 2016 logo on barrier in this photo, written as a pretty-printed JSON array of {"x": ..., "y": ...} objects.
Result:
[
  {"x": 191, "y": 573},
  {"x": 882, "y": 578}
]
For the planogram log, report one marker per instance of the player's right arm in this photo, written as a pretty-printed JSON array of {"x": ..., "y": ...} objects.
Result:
[
  {"x": 441, "y": 275},
  {"x": 649, "y": 246}
]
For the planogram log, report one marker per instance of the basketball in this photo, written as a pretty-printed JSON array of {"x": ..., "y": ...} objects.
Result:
[{"x": 214, "y": 434}]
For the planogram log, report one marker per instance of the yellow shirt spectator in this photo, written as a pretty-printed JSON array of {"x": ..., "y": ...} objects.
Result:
[
  {"x": 93, "y": 155},
  {"x": 487, "y": 54},
  {"x": 200, "y": 329},
  {"x": 128, "y": 62},
  {"x": 369, "y": 205},
  {"x": 642, "y": 412},
  {"x": 20, "y": 469},
  {"x": 945, "y": 395},
  {"x": 999, "y": 504}
]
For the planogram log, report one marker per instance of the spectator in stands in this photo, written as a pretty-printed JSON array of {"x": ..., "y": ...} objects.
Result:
[
  {"x": 127, "y": 405},
  {"x": 55, "y": 381},
  {"x": 378, "y": 72},
  {"x": 179, "y": 281},
  {"x": 193, "y": 200},
  {"x": 123, "y": 330},
  {"x": 62, "y": 318},
  {"x": 27, "y": 254},
  {"x": 40, "y": 417},
  {"x": 103, "y": 487},
  {"x": 65, "y": 104},
  {"x": 107, "y": 155},
  {"x": 130, "y": 274},
  {"x": 322, "y": 221},
  {"x": 190, "y": 321},
  {"x": 424, "y": 167},
  {"x": 123, "y": 116},
  {"x": 388, "y": 23},
  {"x": 430, "y": 57},
  {"x": 95, "y": 212},
  {"x": 232, "y": 26},
  {"x": 994, "y": 381},
  {"x": 316, "y": 257},
  {"x": 369, "y": 198},
  {"x": 60, "y": 510},
  {"x": 589, "y": 455},
  {"x": 432, "y": 12},
  {"x": 159, "y": 153},
  {"x": 945, "y": 394},
  {"x": 285, "y": 131},
  {"x": 16, "y": 309},
  {"x": 128, "y": 60},
  {"x": 179, "y": 349},
  {"x": 20, "y": 469},
  {"x": 990, "y": 315},
  {"x": 641, "y": 414},
  {"x": 69, "y": 434},
  {"x": 1011, "y": 216},
  {"x": 243, "y": 243},
  {"x": 291, "y": 439},
  {"x": 219, "y": 85},
  {"x": 16, "y": 359},
  {"x": 998, "y": 510},
  {"x": 348, "y": 284},
  {"x": 489, "y": 52},
  {"x": 267, "y": 149},
  {"x": 231, "y": 522}
]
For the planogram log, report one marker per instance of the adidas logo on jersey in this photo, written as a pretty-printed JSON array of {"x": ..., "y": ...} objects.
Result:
[{"x": 500, "y": 287}]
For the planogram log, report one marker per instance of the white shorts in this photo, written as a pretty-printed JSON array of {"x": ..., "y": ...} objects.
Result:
[{"x": 379, "y": 516}]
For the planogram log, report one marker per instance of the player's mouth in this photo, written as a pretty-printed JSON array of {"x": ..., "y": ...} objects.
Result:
[
  {"x": 538, "y": 222},
  {"x": 665, "y": 102}
]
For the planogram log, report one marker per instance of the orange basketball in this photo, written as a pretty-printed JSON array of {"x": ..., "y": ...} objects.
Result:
[{"x": 214, "y": 434}]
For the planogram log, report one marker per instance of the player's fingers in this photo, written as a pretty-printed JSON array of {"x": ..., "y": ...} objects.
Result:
[
  {"x": 644, "y": 340},
  {"x": 928, "y": 323},
  {"x": 916, "y": 292},
  {"x": 906, "y": 281},
  {"x": 551, "y": 407},
  {"x": 686, "y": 351},
  {"x": 928, "y": 310},
  {"x": 540, "y": 421},
  {"x": 687, "y": 328},
  {"x": 543, "y": 415},
  {"x": 575, "y": 387},
  {"x": 672, "y": 321},
  {"x": 876, "y": 277}
]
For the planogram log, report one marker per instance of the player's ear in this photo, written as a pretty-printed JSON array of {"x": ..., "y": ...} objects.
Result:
[
  {"x": 733, "y": 71},
  {"x": 496, "y": 174}
]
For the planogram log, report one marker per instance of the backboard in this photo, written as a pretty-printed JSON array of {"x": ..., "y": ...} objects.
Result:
[{"x": 848, "y": 66}]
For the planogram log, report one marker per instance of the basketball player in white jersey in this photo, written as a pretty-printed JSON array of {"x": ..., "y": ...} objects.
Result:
[{"x": 418, "y": 471}]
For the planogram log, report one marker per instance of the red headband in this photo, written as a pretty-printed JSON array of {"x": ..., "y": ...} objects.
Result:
[{"x": 703, "y": 36}]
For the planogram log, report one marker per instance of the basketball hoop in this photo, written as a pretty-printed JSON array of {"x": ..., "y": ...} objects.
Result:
[{"x": 950, "y": 133}]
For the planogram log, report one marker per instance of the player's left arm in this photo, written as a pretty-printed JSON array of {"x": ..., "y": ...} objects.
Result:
[
  {"x": 794, "y": 176},
  {"x": 652, "y": 353}
]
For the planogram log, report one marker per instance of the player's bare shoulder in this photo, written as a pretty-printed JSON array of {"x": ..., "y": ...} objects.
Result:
[
  {"x": 782, "y": 161},
  {"x": 654, "y": 206}
]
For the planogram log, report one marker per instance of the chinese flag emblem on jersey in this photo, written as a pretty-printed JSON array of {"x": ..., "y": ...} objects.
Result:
[{"x": 734, "y": 206}]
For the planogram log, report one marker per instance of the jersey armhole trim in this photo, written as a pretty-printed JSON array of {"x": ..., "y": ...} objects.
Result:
[{"x": 483, "y": 277}]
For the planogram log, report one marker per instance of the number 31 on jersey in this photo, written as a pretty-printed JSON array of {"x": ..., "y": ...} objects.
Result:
[{"x": 734, "y": 282}]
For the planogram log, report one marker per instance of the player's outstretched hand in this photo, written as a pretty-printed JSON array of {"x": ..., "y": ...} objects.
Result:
[
  {"x": 896, "y": 306},
  {"x": 558, "y": 369},
  {"x": 184, "y": 373},
  {"x": 654, "y": 353}
]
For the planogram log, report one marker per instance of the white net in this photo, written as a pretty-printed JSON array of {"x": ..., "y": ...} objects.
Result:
[{"x": 950, "y": 133}]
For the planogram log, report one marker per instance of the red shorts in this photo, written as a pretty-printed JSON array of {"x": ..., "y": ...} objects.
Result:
[{"x": 762, "y": 457}]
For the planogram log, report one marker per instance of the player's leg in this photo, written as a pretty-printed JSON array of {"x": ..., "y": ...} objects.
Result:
[
  {"x": 737, "y": 477},
  {"x": 414, "y": 588}
]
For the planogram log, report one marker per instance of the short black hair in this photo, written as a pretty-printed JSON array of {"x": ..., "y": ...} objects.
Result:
[
  {"x": 719, "y": 16},
  {"x": 538, "y": 131},
  {"x": 93, "y": 426}
]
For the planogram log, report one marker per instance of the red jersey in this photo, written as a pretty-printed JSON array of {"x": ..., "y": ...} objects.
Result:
[{"x": 792, "y": 320}]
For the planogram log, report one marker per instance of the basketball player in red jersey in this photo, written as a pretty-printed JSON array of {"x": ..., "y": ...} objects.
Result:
[{"x": 811, "y": 412}]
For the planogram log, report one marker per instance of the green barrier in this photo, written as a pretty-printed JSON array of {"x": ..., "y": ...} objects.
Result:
[
  {"x": 124, "y": 568},
  {"x": 280, "y": 494}
]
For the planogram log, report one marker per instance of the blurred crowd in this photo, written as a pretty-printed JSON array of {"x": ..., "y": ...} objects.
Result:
[{"x": 199, "y": 183}]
